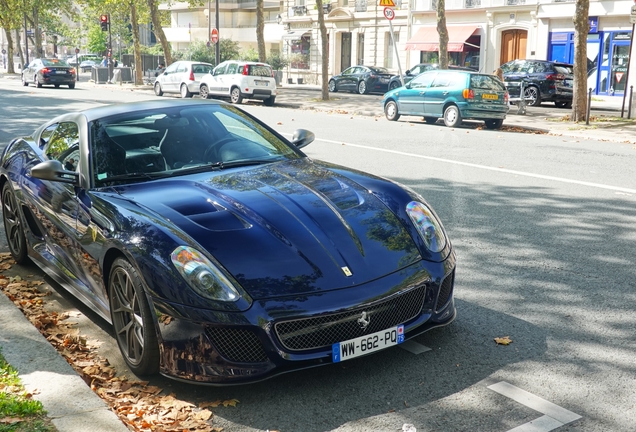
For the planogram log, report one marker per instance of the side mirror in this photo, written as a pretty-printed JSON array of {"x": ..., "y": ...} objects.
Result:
[
  {"x": 302, "y": 138},
  {"x": 408, "y": 72},
  {"x": 407, "y": 85},
  {"x": 54, "y": 171}
]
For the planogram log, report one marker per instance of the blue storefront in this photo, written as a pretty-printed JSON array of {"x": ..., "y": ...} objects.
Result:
[{"x": 607, "y": 55}]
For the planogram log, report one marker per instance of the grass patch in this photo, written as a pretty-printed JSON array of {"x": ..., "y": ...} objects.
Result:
[{"x": 18, "y": 411}]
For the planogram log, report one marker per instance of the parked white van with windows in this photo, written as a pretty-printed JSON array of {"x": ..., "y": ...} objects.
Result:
[{"x": 240, "y": 80}]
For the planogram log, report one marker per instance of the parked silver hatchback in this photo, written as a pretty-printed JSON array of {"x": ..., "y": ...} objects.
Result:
[
  {"x": 240, "y": 80},
  {"x": 182, "y": 77}
]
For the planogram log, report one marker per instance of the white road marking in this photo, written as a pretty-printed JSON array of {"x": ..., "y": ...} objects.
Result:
[
  {"x": 414, "y": 347},
  {"x": 555, "y": 416},
  {"x": 485, "y": 167}
]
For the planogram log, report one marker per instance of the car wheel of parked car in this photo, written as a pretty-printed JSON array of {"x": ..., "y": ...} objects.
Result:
[
  {"x": 533, "y": 96},
  {"x": 158, "y": 90},
  {"x": 362, "y": 87},
  {"x": 235, "y": 96},
  {"x": 391, "y": 111},
  {"x": 430, "y": 120},
  {"x": 24, "y": 81},
  {"x": 71, "y": 86},
  {"x": 332, "y": 86},
  {"x": 394, "y": 85},
  {"x": 204, "y": 91},
  {"x": 185, "y": 91},
  {"x": 452, "y": 116},
  {"x": 563, "y": 104},
  {"x": 36, "y": 82},
  {"x": 493, "y": 124},
  {"x": 132, "y": 321},
  {"x": 270, "y": 101},
  {"x": 13, "y": 226}
]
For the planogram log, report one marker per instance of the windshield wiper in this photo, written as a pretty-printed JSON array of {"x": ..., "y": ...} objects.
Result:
[
  {"x": 244, "y": 162},
  {"x": 132, "y": 176}
]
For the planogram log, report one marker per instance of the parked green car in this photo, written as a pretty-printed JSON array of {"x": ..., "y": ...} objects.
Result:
[{"x": 452, "y": 95}]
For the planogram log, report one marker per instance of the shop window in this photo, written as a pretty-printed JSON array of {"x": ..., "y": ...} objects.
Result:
[{"x": 299, "y": 53}]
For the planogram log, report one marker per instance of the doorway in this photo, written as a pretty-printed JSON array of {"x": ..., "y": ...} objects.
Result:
[{"x": 513, "y": 45}]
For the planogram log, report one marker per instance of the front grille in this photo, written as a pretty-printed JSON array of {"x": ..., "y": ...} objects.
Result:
[
  {"x": 445, "y": 291},
  {"x": 237, "y": 345},
  {"x": 325, "y": 330}
]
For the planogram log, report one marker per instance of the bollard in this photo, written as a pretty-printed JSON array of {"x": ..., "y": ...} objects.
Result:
[
  {"x": 631, "y": 95},
  {"x": 589, "y": 102}
]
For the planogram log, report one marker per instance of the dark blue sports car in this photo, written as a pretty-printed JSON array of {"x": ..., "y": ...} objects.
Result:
[{"x": 219, "y": 252}]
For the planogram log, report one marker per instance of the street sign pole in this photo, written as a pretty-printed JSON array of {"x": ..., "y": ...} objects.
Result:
[
  {"x": 218, "y": 44},
  {"x": 629, "y": 61},
  {"x": 389, "y": 14}
]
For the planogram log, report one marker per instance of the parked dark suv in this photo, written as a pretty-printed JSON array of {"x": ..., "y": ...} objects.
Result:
[
  {"x": 418, "y": 69},
  {"x": 542, "y": 81}
]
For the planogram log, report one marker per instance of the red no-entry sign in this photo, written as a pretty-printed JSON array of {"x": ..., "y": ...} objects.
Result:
[{"x": 214, "y": 36}]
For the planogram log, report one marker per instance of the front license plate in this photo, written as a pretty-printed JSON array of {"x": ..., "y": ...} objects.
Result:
[
  {"x": 362, "y": 345},
  {"x": 490, "y": 96},
  {"x": 262, "y": 83}
]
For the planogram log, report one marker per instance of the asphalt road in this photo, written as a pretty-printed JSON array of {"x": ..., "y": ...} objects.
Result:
[{"x": 544, "y": 229}]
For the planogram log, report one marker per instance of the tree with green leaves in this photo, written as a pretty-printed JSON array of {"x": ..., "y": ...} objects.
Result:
[
  {"x": 10, "y": 13},
  {"x": 581, "y": 29},
  {"x": 443, "y": 34}
]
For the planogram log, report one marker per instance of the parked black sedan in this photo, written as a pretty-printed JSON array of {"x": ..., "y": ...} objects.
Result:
[
  {"x": 542, "y": 81},
  {"x": 219, "y": 252},
  {"x": 361, "y": 79},
  {"x": 395, "y": 82},
  {"x": 49, "y": 71}
]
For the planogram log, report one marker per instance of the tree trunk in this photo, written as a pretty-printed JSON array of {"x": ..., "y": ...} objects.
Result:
[
  {"x": 443, "y": 34},
  {"x": 260, "y": 31},
  {"x": 37, "y": 35},
  {"x": 19, "y": 47},
  {"x": 134, "y": 22},
  {"x": 10, "y": 67},
  {"x": 581, "y": 28},
  {"x": 158, "y": 30},
  {"x": 324, "y": 45}
]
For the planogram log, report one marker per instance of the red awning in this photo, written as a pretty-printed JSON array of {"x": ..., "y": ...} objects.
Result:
[{"x": 427, "y": 38}]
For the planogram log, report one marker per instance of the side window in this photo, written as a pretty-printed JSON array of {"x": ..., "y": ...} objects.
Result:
[
  {"x": 220, "y": 69},
  {"x": 442, "y": 80},
  {"x": 231, "y": 69},
  {"x": 348, "y": 71},
  {"x": 172, "y": 68},
  {"x": 423, "y": 81},
  {"x": 45, "y": 136},
  {"x": 63, "y": 144},
  {"x": 182, "y": 67}
]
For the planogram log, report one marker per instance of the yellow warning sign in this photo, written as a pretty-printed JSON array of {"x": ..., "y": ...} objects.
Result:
[{"x": 388, "y": 3}]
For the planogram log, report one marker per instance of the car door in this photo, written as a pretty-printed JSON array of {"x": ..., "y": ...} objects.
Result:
[
  {"x": 440, "y": 90},
  {"x": 411, "y": 98},
  {"x": 215, "y": 80},
  {"x": 231, "y": 76},
  {"x": 345, "y": 80},
  {"x": 167, "y": 78},
  {"x": 53, "y": 203}
]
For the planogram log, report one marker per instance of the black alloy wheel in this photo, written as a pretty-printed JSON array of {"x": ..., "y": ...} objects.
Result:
[
  {"x": 13, "y": 225},
  {"x": 532, "y": 96},
  {"x": 362, "y": 87},
  {"x": 132, "y": 321}
]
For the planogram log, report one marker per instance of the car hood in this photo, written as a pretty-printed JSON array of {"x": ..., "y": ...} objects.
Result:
[{"x": 288, "y": 228}]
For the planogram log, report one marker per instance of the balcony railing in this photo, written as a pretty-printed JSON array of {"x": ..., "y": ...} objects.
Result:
[{"x": 468, "y": 4}]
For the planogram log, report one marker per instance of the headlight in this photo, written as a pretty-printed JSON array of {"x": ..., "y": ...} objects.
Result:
[
  {"x": 429, "y": 227},
  {"x": 203, "y": 276}
]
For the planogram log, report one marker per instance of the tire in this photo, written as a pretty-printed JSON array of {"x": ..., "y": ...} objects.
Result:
[
  {"x": 235, "y": 96},
  {"x": 71, "y": 86},
  {"x": 563, "y": 104},
  {"x": 158, "y": 90},
  {"x": 534, "y": 95},
  {"x": 394, "y": 85},
  {"x": 332, "y": 86},
  {"x": 493, "y": 124},
  {"x": 204, "y": 92},
  {"x": 362, "y": 87},
  {"x": 270, "y": 101},
  {"x": 36, "y": 82},
  {"x": 133, "y": 323},
  {"x": 56, "y": 85},
  {"x": 391, "y": 111},
  {"x": 184, "y": 91},
  {"x": 24, "y": 82},
  {"x": 452, "y": 116},
  {"x": 430, "y": 120},
  {"x": 13, "y": 225}
]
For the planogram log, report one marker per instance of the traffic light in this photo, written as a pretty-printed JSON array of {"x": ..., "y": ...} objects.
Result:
[{"x": 104, "y": 21}]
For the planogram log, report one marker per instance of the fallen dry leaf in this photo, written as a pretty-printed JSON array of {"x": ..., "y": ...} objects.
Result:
[{"x": 503, "y": 340}]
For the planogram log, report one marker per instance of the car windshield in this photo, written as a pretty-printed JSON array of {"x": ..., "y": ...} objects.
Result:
[
  {"x": 379, "y": 70},
  {"x": 171, "y": 141},
  {"x": 54, "y": 62}
]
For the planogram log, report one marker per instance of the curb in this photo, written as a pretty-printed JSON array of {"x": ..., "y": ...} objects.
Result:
[{"x": 68, "y": 400}]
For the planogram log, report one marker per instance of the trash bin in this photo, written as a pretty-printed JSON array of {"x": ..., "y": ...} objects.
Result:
[{"x": 99, "y": 74}]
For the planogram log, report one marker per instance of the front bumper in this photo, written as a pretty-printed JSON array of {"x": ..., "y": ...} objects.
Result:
[{"x": 221, "y": 348}]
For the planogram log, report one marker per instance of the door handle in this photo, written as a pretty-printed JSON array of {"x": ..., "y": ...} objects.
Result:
[
  {"x": 422, "y": 93},
  {"x": 445, "y": 93}
]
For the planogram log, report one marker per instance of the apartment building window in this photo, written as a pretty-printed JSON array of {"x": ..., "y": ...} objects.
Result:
[
  {"x": 389, "y": 51},
  {"x": 360, "y": 49}
]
